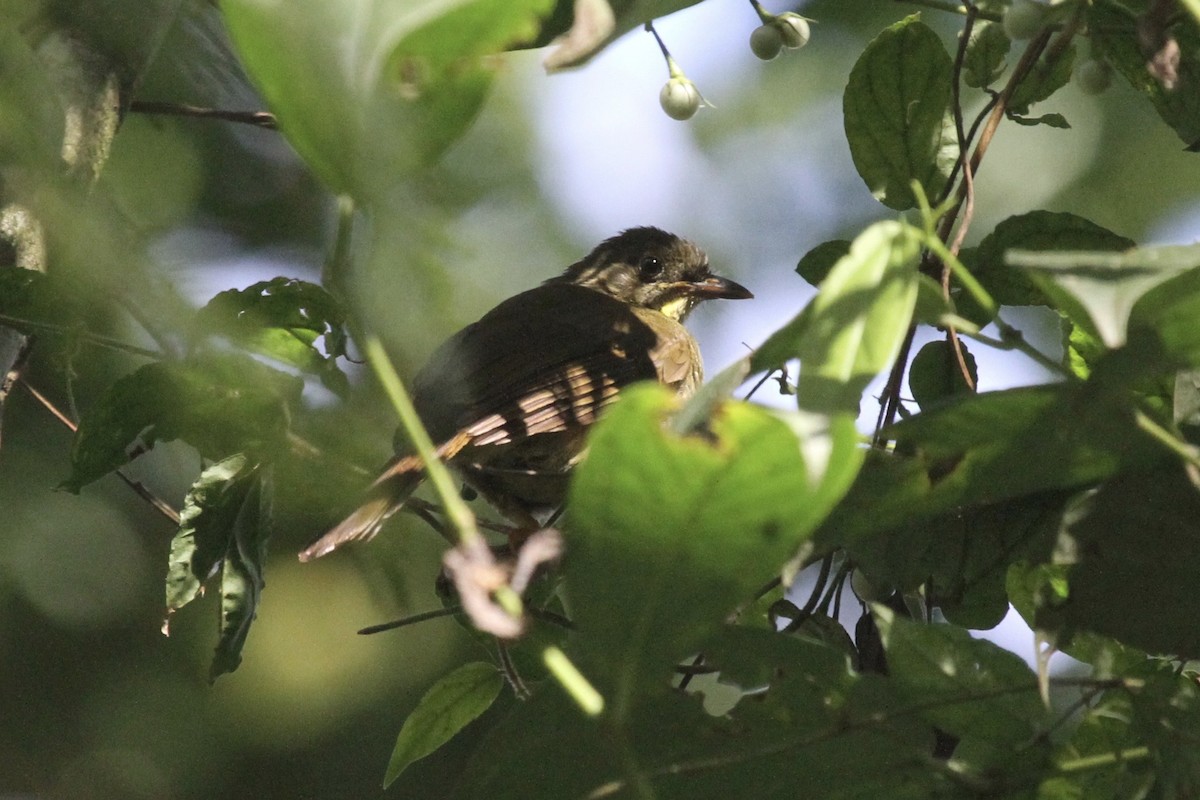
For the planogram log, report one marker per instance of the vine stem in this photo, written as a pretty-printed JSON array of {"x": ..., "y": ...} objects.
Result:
[{"x": 890, "y": 400}]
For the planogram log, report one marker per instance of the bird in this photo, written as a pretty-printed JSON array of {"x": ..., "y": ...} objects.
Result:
[{"x": 508, "y": 400}]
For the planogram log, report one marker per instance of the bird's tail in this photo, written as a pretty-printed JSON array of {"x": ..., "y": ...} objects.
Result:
[{"x": 387, "y": 495}]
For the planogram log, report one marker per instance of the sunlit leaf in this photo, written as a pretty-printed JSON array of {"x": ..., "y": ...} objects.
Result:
[
  {"x": 729, "y": 508},
  {"x": 283, "y": 319},
  {"x": 931, "y": 662}
]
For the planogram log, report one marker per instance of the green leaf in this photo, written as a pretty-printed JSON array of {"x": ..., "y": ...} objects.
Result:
[
  {"x": 859, "y": 319},
  {"x": 812, "y": 724},
  {"x": 1036, "y": 230},
  {"x": 1042, "y": 81},
  {"x": 369, "y": 90},
  {"x": 1131, "y": 554},
  {"x": 219, "y": 404},
  {"x": 206, "y": 523},
  {"x": 986, "y": 51},
  {"x": 242, "y": 575},
  {"x": 815, "y": 265},
  {"x": 1170, "y": 309},
  {"x": 282, "y": 319},
  {"x": 1099, "y": 290},
  {"x": 729, "y": 508},
  {"x": 451, "y": 704},
  {"x": 595, "y": 24},
  {"x": 42, "y": 298},
  {"x": 935, "y": 374},
  {"x": 225, "y": 524},
  {"x": 1116, "y": 38},
  {"x": 1102, "y": 733},
  {"x": 897, "y": 114},
  {"x": 970, "y": 688},
  {"x": 853, "y": 328}
]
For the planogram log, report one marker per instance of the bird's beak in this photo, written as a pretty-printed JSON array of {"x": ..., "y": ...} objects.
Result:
[{"x": 718, "y": 288}]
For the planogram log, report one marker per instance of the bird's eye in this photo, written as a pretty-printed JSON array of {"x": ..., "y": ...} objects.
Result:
[{"x": 650, "y": 268}]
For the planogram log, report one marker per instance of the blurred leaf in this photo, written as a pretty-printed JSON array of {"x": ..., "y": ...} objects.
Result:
[
  {"x": 1185, "y": 405},
  {"x": 1100, "y": 289},
  {"x": 934, "y": 374},
  {"x": 1037, "y": 230},
  {"x": 1130, "y": 551},
  {"x": 729, "y": 508},
  {"x": 1041, "y": 82},
  {"x": 369, "y": 90},
  {"x": 1116, "y": 38},
  {"x": 815, "y": 265},
  {"x": 126, "y": 36},
  {"x": 282, "y": 319},
  {"x": 986, "y": 51},
  {"x": 42, "y": 298},
  {"x": 597, "y": 23},
  {"x": 219, "y": 404},
  {"x": 32, "y": 131},
  {"x": 451, "y": 704},
  {"x": 1171, "y": 309},
  {"x": 897, "y": 114},
  {"x": 242, "y": 575}
]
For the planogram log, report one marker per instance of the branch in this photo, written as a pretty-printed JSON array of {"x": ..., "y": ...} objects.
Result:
[{"x": 157, "y": 503}]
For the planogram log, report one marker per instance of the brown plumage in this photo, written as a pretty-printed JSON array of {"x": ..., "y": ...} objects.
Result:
[{"x": 509, "y": 399}]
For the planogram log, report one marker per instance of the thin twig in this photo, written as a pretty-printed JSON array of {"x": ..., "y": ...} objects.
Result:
[
  {"x": 509, "y": 670},
  {"x": 968, "y": 183},
  {"x": 82, "y": 335},
  {"x": 424, "y": 616},
  {"x": 813, "y": 598},
  {"x": 159, "y": 505}
]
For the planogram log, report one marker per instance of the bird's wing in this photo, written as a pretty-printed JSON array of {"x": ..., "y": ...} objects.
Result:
[{"x": 544, "y": 360}]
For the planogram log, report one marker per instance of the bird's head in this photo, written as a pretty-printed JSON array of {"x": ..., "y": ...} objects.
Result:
[{"x": 650, "y": 268}]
